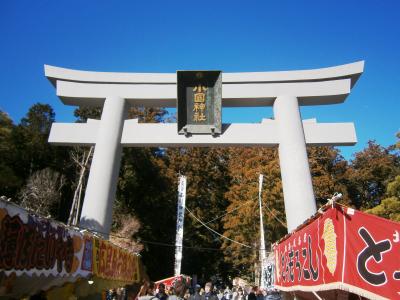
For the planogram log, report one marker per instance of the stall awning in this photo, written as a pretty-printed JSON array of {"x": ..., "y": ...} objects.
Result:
[
  {"x": 341, "y": 248},
  {"x": 37, "y": 254}
]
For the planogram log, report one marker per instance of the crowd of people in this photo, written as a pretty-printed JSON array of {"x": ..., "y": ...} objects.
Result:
[{"x": 182, "y": 291}]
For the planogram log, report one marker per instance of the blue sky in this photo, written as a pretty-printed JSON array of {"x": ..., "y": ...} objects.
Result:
[{"x": 233, "y": 36}]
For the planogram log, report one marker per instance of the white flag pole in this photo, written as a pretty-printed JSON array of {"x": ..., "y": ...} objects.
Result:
[
  {"x": 262, "y": 240},
  {"x": 179, "y": 224}
]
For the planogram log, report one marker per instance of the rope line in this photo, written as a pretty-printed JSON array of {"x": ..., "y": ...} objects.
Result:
[
  {"x": 149, "y": 242},
  {"x": 217, "y": 233},
  {"x": 203, "y": 224},
  {"x": 229, "y": 212},
  {"x": 276, "y": 217}
]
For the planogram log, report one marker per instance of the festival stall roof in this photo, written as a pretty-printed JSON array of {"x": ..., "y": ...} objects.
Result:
[
  {"x": 340, "y": 250},
  {"x": 170, "y": 281},
  {"x": 40, "y": 254}
]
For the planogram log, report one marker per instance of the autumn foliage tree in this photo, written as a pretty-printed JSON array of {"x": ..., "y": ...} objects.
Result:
[
  {"x": 328, "y": 171},
  {"x": 242, "y": 223}
]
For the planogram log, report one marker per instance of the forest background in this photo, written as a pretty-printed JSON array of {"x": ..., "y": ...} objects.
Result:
[{"x": 222, "y": 191}]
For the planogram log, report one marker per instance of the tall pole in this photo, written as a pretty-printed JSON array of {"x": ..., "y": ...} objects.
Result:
[
  {"x": 262, "y": 239},
  {"x": 179, "y": 224}
]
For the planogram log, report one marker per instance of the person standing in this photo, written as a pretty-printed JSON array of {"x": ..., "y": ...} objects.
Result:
[
  {"x": 220, "y": 294},
  {"x": 252, "y": 294},
  {"x": 260, "y": 294},
  {"x": 147, "y": 291},
  {"x": 209, "y": 293},
  {"x": 180, "y": 288},
  {"x": 227, "y": 294},
  {"x": 239, "y": 294},
  {"x": 196, "y": 295},
  {"x": 187, "y": 295},
  {"x": 161, "y": 295}
]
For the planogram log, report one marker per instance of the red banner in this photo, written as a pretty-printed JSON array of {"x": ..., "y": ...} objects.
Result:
[{"x": 342, "y": 249}]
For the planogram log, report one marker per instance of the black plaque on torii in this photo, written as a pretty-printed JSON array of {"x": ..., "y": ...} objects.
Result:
[{"x": 199, "y": 102}]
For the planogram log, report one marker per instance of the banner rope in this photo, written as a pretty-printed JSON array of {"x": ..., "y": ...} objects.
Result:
[
  {"x": 229, "y": 212},
  {"x": 276, "y": 217},
  {"x": 217, "y": 233}
]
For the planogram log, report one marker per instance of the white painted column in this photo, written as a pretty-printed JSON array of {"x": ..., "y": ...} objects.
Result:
[
  {"x": 296, "y": 178},
  {"x": 102, "y": 183}
]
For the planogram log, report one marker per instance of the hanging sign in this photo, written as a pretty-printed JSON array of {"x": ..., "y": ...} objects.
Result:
[
  {"x": 199, "y": 102},
  {"x": 342, "y": 249},
  {"x": 179, "y": 224},
  {"x": 112, "y": 262},
  {"x": 269, "y": 272}
]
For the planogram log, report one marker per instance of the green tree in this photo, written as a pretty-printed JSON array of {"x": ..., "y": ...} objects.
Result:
[
  {"x": 39, "y": 119},
  {"x": 26, "y": 149},
  {"x": 146, "y": 195},
  {"x": 389, "y": 208},
  {"x": 369, "y": 173},
  {"x": 9, "y": 181},
  {"x": 34, "y": 153},
  {"x": 84, "y": 113},
  {"x": 30, "y": 138},
  {"x": 207, "y": 175}
]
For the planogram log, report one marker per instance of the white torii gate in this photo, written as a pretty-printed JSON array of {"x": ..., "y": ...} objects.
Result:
[{"x": 286, "y": 91}]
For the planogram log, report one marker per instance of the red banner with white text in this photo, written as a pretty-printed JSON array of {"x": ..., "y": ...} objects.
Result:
[{"x": 345, "y": 249}]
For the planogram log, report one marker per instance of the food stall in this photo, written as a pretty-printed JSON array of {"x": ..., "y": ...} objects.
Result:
[
  {"x": 42, "y": 255},
  {"x": 338, "y": 252}
]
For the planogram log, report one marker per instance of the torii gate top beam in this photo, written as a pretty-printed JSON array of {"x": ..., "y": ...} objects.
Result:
[{"x": 311, "y": 87}]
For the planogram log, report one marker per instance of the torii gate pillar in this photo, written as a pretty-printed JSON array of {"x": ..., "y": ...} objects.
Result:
[
  {"x": 104, "y": 171},
  {"x": 295, "y": 172}
]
